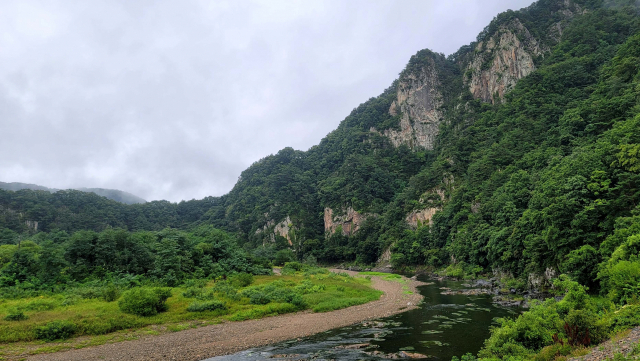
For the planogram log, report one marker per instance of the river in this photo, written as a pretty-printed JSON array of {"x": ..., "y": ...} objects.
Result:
[{"x": 442, "y": 327}]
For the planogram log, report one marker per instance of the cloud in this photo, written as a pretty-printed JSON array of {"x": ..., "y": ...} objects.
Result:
[{"x": 172, "y": 100}]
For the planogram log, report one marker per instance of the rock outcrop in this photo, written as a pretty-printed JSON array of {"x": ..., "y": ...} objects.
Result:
[
  {"x": 509, "y": 54},
  {"x": 277, "y": 229},
  {"x": 418, "y": 102},
  {"x": 349, "y": 221},
  {"x": 432, "y": 200},
  {"x": 418, "y": 218},
  {"x": 501, "y": 60}
]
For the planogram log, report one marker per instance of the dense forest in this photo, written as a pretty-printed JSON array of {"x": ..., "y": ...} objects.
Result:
[
  {"x": 525, "y": 176},
  {"x": 542, "y": 177}
]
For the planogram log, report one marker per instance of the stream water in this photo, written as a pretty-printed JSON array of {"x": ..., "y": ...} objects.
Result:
[{"x": 442, "y": 327}]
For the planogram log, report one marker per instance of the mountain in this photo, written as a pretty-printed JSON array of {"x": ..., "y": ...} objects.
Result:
[
  {"x": 517, "y": 154},
  {"x": 113, "y": 194}
]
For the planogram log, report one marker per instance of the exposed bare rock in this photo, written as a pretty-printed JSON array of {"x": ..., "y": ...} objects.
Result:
[
  {"x": 419, "y": 217},
  {"x": 350, "y": 221},
  {"x": 501, "y": 60},
  {"x": 508, "y": 54},
  {"x": 32, "y": 225},
  {"x": 418, "y": 102},
  {"x": 280, "y": 229}
]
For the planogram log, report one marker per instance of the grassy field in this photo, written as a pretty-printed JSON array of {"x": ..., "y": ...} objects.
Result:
[{"x": 95, "y": 321}]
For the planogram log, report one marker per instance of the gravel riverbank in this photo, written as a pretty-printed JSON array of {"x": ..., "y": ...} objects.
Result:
[{"x": 230, "y": 337}]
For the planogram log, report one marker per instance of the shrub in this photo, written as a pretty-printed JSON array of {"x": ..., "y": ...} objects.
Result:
[
  {"x": 144, "y": 301},
  {"x": 626, "y": 317},
  {"x": 192, "y": 292},
  {"x": 226, "y": 289},
  {"x": 259, "y": 298},
  {"x": 206, "y": 306},
  {"x": 283, "y": 256},
  {"x": 455, "y": 270},
  {"x": 70, "y": 300},
  {"x": 110, "y": 293},
  {"x": 623, "y": 281},
  {"x": 55, "y": 330},
  {"x": 293, "y": 267},
  {"x": 40, "y": 305},
  {"x": 583, "y": 328},
  {"x": 242, "y": 280},
  {"x": 530, "y": 332},
  {"x": 551, "y": 353},
  {"x": 16, "y": 315}
]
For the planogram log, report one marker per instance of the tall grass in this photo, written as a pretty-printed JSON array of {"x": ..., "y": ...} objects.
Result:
[{"x": 317, "y": 290}]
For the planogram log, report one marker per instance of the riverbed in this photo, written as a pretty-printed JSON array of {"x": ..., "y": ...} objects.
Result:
[{"x": 443, "y": 326}]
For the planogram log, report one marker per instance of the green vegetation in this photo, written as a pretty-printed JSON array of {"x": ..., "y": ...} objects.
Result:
[
  {"x": 52, "y": 317},
  {"x": 546, "y": 181},
  {"x": 144, "y": 302}
]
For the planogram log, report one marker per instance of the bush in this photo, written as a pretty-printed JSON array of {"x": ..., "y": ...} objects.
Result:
[
  {"x": 226, "y": 289},
  {"x": 242, "y": 280},
  {"x": 192, "y": 292},
  {"x": 583, "y": 328},
  {"x": 144, "y": 301},
  {"x": 207, "y": 306},
  {"x": 110, "y": 293},
  {"x": 40, "y": 305},
  {"x": 55, "y": 330},
  {"x": 283, "y": 256},
  {"x": 530, "y": 332},
  {"x": 623, "y": 281},
  {"x": 293, "y": 267},
  {"x": 259, "y": 298},
  {"x": 16, "y": 315}
]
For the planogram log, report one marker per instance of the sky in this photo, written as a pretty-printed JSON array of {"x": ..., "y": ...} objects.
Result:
[{"x": 174, "y": 99}]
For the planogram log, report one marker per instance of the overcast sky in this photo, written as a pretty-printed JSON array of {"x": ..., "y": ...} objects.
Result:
[{"x": 173, "y": 99}]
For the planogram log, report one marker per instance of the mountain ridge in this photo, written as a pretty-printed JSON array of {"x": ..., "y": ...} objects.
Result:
[
  {"x": 457, "y": 162},
  {"x": 113, "y": 194}
]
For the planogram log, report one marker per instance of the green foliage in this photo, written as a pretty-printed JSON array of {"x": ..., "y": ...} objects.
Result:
[
  {"x": 207, "y": 306},
  {"x": 55, "y": 330},
  {"x": 585, "y": 324},
  {"x": 528, "y": 333},
  {"x": 283, "y": 256},
  {"x": 144, "y": 301},
  {"x": 242, "y": 280},
  {"x": 16, "y": 315}
]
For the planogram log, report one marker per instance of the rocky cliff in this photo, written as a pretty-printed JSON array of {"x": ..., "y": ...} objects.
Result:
[
  {"x": 509, "y": 54},
  {"x": 431, "y": 202},
  {"x": 273, "y": 229},
  {"x": 349, "y": 221},
  {"x": 418, "y": 101},
  {"x": 500, "y": 61}
]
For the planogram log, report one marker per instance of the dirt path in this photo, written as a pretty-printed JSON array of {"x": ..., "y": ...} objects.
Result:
[
  {"x": 230, "y": 337},
  {"x": 608, "y": 349}
]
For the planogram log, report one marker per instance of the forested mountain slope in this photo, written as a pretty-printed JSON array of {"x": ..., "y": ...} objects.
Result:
[
  {"x": 113, "y": 194},
  {"x": 517, "y": 153}
]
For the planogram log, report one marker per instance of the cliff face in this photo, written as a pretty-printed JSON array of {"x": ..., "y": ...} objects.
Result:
[
  {"x": 418, "y": 102},
  {"x": 274, "y": 229},
  {"x": 432, "y": 201},
  {"x": 500, "y": 61},
  {"x": 508, "y": 55},
  {"x": 350, "y": 221}
]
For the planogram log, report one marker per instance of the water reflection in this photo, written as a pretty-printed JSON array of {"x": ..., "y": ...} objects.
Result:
[{"x": 442, "y": 327}]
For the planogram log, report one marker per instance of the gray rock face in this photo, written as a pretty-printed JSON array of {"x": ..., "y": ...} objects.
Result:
[
  {"x": 500, "y": 61},
  {"x": 418, "y": 102}
]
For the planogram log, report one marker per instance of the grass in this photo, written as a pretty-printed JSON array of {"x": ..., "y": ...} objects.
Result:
[
  {"x": 386, "y": 276},
  {"x": 98, "y": 322}
]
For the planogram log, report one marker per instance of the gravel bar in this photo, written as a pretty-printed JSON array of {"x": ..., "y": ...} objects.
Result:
[{"x": 231, "y": 337}]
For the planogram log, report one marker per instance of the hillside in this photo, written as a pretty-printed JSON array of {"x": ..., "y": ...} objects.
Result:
[
  {"x": 517, "y": 154},
  {"x": 113, "y": 194}
]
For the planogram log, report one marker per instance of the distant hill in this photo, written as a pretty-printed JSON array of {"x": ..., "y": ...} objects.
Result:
[{"x": 113, "y": 194}]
